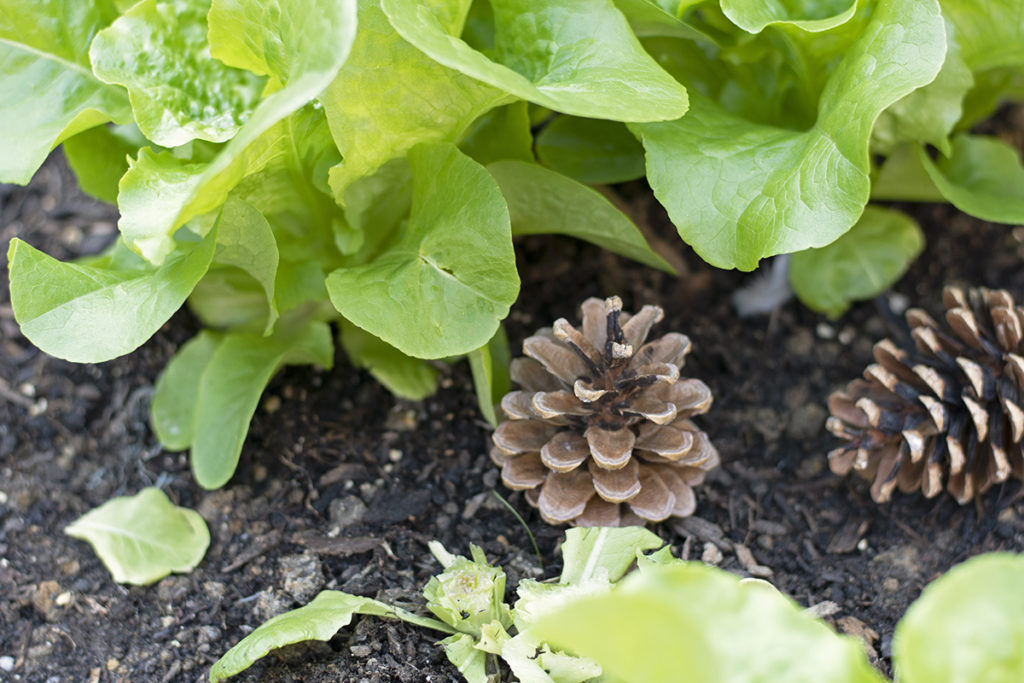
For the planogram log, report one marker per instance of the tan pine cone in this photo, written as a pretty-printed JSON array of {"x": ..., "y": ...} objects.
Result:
[
  {"x": 946, "y": 412},
  {"x": 600, "y": 434}
]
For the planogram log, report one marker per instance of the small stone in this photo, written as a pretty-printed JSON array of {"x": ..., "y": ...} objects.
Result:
[
  {"x": 271, "y": 404},
  {"x": 112, "y": 664},
  {"x": 711, "y": 555},
  {"x": 811, "y": 466},
  {"x": 891, "y": 585},
  {"x": 7, "y": 663},
  {"x": 63, "y": 600},
  {"x": 269, "y": 604},
  {"x": 361, "y": 650},
  {"x": 395, "y": 455},
  {"x": 825, "y": 331},
  {"x": 303, "y": 576},
  {"x": 346, "y": 511}
]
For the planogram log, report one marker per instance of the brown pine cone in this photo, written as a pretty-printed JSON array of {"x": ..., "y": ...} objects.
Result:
[
  {"x": 600, "y": 434},
  {"x": 948, "y": 410}
]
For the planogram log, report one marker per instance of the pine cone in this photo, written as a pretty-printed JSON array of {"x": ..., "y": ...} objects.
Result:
[
  {"x": 600, "y": 435},
  {"x": 949, "y": 409}
]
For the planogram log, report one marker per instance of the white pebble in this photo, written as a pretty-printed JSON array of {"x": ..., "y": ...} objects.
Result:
[{"x": 7, "y": 663}]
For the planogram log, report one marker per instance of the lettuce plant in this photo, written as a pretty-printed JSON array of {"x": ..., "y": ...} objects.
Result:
[
  {"x": 311, "y": 172},
  {"x": 619, "y": 612}
]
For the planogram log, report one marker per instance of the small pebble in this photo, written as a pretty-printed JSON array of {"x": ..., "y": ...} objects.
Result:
[
  {"x": 7, "y": 663},
  {"x": 891, "y": 585},
  {"x": 395, "y": 455},
  {"x": 711, "y": 555},
  {"x": 825, "y": 331},
  {"x": 112, "y": 664}
]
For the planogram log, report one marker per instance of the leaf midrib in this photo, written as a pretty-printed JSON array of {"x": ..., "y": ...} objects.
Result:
[{"x": 73, "y": 66}]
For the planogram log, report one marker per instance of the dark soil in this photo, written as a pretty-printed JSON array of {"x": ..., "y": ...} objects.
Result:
[{"x": 341, "y": 486}]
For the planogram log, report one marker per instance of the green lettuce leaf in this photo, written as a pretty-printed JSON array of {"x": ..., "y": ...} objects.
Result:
[
  {"x": 541, "y": 201},
  {"x": 319, "y": 620},
  {"x": 246, "y": 241},
  {"x": 590, "y": 66},
  {"x": 172, "y": 410},
  {"x": 490, "y": 367},
  {"x": 390, "y": 96},
  {"x": 99, "y": 157},
  {"x": 461, "y": 651},
  {"x": 143, "y": 538},
  {"x": 443, "y": 287},
  {"x": 650, "y": 18},
  {"x": 966, "y": 625},
  {"x": 991, "y": 37},
  {"x": 664, "y": 609},
  {"x": 739, "y": 191},
  {"x": 591, "y": 151},
  {"x": 502, "y": 133},
  {"x": 754, "y": 16},
  {"x": 983, "y": 176},
  {"x": 50, "y": 91},
  {"x": 178, "y": 91},
  {"x": 230, "y": 387},
  {"x": 928, "y": 114},
  {"x": 861, "y": 264},
  {"x": 92, "y": 313},
  {"x": 410, "y": 378},
  {"x": 156, "y": 198}
]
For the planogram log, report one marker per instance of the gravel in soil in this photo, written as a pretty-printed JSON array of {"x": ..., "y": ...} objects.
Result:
[{"x": 342, "y": 486}]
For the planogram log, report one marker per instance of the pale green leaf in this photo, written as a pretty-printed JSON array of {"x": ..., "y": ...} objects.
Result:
[
  {"x": 156, "y": 198},
  {"x": 590, "y": 66},
  {"x": 92, "y": 313},
  {"x": 966, "y": 626},
  {"x": 591, "y": 151},
  {"x": 502, "y": 133},
  {"x": 928, "y": 114},
  {"x": 50, "y": 92},
  {"x": 460, "y": 649},
  {"x": 410, "y": 378},
  {"x": 469, "y": 594},
  {"x": 246, "y": 241},
  {"x": 227, "y": 298},
  {"x": 178, "y": 91},
  {"x": 991, "y": 35},
  {"x": 143, "y": 538},
  {"x": 754, "y": 16},
  {"x": 99, "y": 157},
  {"x": 172, "y": 410},
  {"x": 319, "y": 620},
  {"x": 649, "y": 18},
  {"x": 739, "y": 191},
  {"x": 390, "y": 96},
  {"x": 609, "y": 551},
  {"x": 230, "y": 389},
  {"x": 903, "y": 177},
  {"x": 541, "y": 201},
  {"x": 983, "y": 176},
  {"x": 490, "y": 367},
  {"x": 704, "y": 622},
  {"x": 441, "y": 289},
  {"x": 861, "y": 264}
]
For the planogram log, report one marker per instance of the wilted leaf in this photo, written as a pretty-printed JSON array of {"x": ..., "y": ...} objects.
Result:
[{"x": 143, "y": 538}]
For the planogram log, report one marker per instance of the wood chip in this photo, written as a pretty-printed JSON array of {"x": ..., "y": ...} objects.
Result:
[
  {"x": 825, "y": 608},
  {"x": 341, "y": 546},
  {"x": 703, "y": 529},
  {"x": 746, "y": 559},
  {"x": 764, "y": 526},
  {"x": 847, "y": 538}
]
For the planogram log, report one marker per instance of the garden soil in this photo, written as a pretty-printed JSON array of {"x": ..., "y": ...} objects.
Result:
[{"x": 341, "y": 486}]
